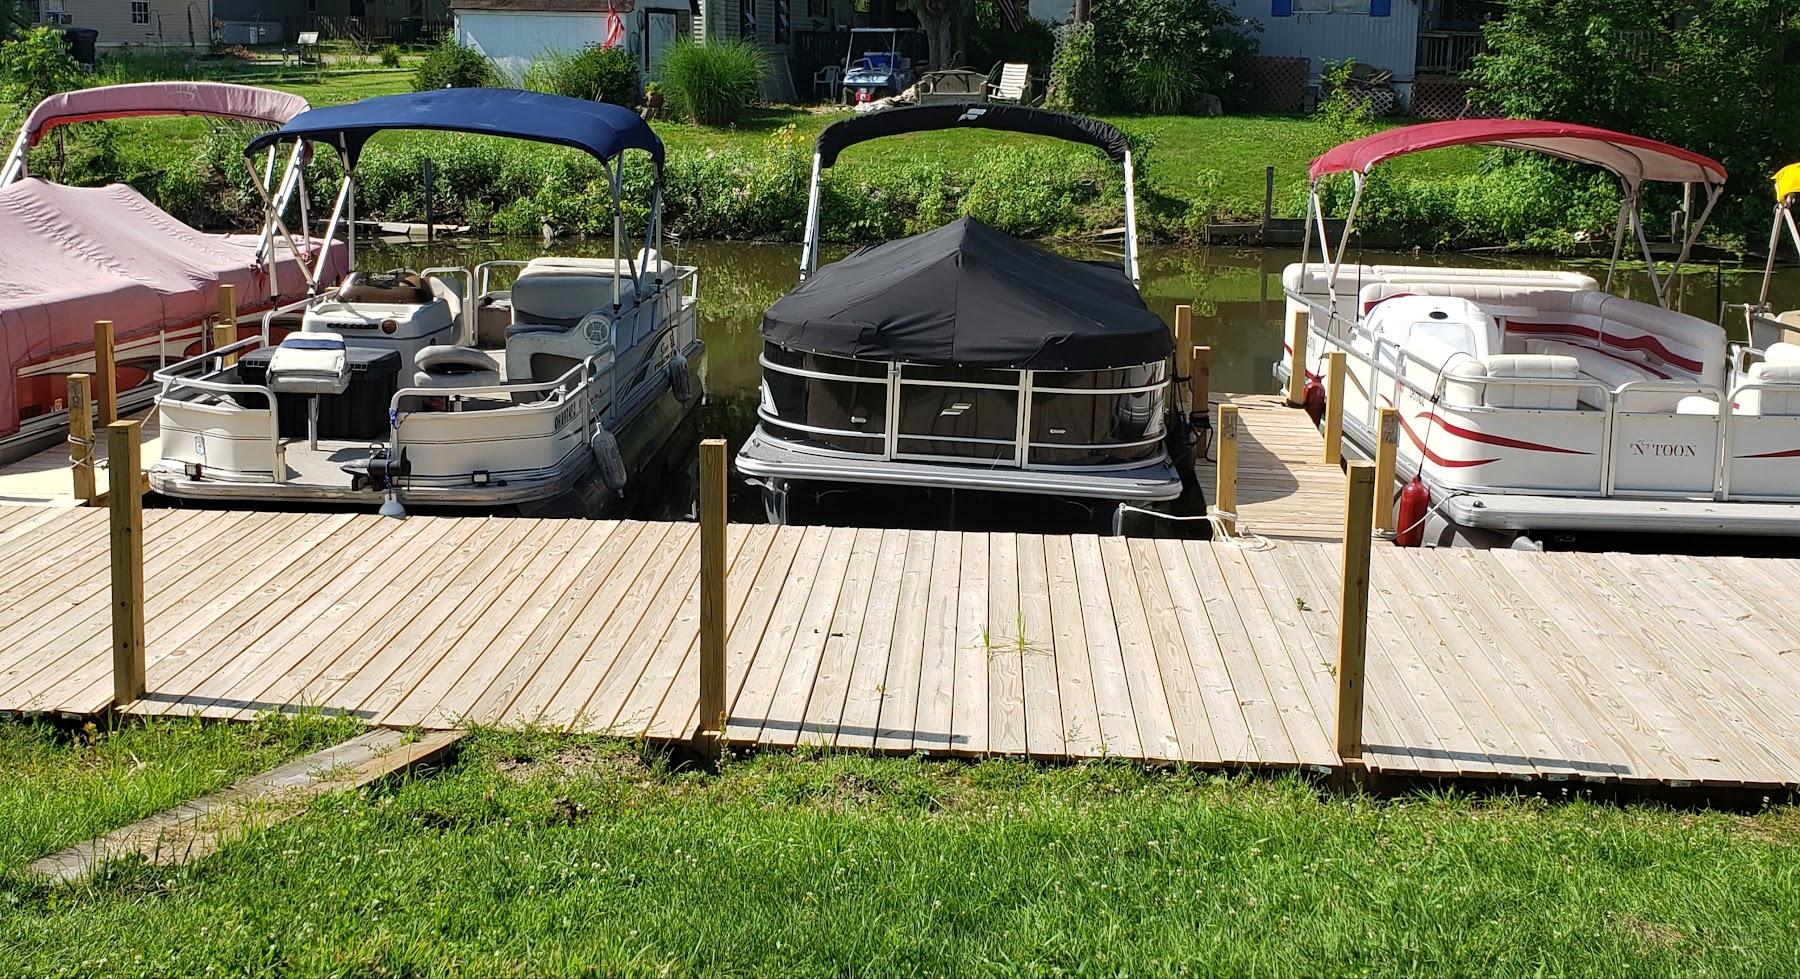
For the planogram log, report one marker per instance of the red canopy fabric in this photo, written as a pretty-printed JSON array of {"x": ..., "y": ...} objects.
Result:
[
  {"x": 243, "y": 102},
  {"x": 1633, "y": 159},
  {"x": 73, "y": 255}
]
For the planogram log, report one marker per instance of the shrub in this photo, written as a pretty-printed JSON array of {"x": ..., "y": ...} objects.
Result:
[
  {"x": 35, "y": 65},
  {"x": 390, "y": 56},
  {"x": 450, "y": 65},
  {"x": 1076, "y": 82},
  {"x": 1170, "y": 52},
  {"x": 595, "y": 73},
  {"x": 712, "y": 84}
]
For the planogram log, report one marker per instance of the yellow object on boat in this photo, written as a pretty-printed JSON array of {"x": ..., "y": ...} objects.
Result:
[{"x": 1787, "y": 181}]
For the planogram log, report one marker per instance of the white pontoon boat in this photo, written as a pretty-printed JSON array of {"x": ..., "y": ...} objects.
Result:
[
  {"x": 72, "y": 255},
  {"x": 1537, "y": 403},
  {"x": 964, "y": 358},
  {"x": 432, "y": 387}
]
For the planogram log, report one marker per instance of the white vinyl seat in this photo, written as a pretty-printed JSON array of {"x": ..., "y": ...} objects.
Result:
[
  {"x": 1696, "y": 404},
  {"x": 1782, "y": 353},
  {"x": 550, "y": 307},
  {"x": 447, "y": 366},
  {"x": 1775, "y": 401},
  {"x": 1611, "y": 372}
]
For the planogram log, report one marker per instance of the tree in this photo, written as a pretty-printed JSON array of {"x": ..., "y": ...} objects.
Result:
[{"x": 944, "y": 24}]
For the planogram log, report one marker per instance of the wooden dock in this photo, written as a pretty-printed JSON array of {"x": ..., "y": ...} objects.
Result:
[
  {"x": 1286, "y": 489},
  {"x": 1607, "y": 667}
]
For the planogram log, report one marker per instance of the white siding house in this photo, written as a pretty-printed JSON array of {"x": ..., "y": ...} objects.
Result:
[
  {"x": 1377, "y": 33},
  {"x": 514, "y": 33},
  {"x": 185, "y": 24}
]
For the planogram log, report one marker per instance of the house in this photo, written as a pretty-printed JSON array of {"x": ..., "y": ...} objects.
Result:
[
  {"x": 281, "y": 21},
  {"x": 184, "y": 24},
  {"x": 801, "y": 36},
  {"x": 514, "y": 33},
  {"x": 1434, "y": 40}
]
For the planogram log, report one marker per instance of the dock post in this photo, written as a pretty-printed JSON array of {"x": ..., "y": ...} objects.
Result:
[
  {"x": 1225, "y": 492},
  {"x": 224, "y": 331},
  {"x": 1334, "y": 407},
  {"x": 1200, "y": 385},
  {"x": 127, "y": 504},
  {"x": 1184, "y": 338},
  {"x": 1268, "y": 202},
  {"x": 1387, "y": 448},
  {"x": 81, "y": 439},
  {"x": 1297, "y": 329},
  {"x": 712, "y": 593},
  {"x": 1353, "y": 624},
  {"x": 106, "y": 375}
]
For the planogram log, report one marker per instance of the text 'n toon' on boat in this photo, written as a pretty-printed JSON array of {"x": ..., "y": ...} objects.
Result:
[
  {"x": 964, "y": 359},
  {"x": 430, "y": 387},
  {"x": 1537, "y": 403},
  {"x": 71, "y": 256}
]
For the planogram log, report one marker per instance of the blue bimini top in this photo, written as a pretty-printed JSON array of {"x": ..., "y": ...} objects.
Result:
[{"x": 597, "y": 127}]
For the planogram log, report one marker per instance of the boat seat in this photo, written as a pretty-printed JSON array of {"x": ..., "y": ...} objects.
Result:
[
  {"x": 1696, "y": 404},
  {"x": 1783, "y": 401},
  {"x": 1500, "y": 367},
  {"x": 447, "y": 366},
  {"x": 1610, "y": 371},
  {"x": 1782, "y": 353},
  {"x": 549, "y": 306}
]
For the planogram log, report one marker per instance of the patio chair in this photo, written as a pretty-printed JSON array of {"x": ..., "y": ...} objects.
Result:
[
  {"x": 1014, "y": 83},
  {"x": 828, "y": 78}
]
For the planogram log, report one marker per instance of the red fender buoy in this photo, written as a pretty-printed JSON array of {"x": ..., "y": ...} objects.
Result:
[
  {"x": 1415, "y": 502},
  {"x": 1313, "y": 399}
]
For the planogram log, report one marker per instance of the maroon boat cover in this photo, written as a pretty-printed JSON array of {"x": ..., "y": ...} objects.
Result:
[
  {"x": 243, "y": 102},
  {"x": 73, "y": 255}
]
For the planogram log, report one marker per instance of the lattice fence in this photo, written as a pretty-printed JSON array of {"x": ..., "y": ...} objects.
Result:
[
  {"x": 1279, "y": 84},
  {"x": 1439, "y": 97}
]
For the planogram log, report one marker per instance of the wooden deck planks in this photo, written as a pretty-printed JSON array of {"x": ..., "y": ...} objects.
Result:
[
  {"x": 1675, "y": 670},
  {"x": 1285, "y": 488}
]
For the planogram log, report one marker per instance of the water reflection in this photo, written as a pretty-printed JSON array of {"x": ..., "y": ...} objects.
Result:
[{"x": 1235, "y": 292}]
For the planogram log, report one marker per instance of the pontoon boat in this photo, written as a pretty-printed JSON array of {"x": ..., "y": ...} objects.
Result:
[
  {"x": 1536, "y": 403},
  {"x": 964, "y": 358},
  {"x": 72, "y": 255},
  {"x": 433, "y": 388}
]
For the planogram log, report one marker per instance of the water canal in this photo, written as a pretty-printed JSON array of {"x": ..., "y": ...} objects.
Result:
[{"x": 1235, "y": 292}]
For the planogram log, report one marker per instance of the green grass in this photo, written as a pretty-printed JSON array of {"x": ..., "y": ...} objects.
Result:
[{"x": 533, "y": 854}]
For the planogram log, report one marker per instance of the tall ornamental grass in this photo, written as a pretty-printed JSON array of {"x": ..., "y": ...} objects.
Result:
[{"x": 713, "y": 84}]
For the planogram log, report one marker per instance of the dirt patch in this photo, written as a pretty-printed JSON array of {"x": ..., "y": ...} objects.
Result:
[
  {"x": 578, "y": 759},
  {"x": 1657, "y": 933}
]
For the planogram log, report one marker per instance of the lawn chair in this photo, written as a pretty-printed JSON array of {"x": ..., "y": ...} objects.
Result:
[
  {"x": 306, "y": 49},
  {"x": 1014, "y": 84}
]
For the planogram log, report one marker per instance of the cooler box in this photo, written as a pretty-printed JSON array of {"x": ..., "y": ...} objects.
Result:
[{"x": 361, "y": 412}]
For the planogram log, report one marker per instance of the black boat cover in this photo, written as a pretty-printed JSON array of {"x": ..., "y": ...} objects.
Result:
[
  {"x": 962, "y": 115},
  {"x": 966, "y": 295}
]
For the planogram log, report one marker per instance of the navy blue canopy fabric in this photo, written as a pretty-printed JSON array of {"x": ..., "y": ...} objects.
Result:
[{"x": 601, "y": 129}]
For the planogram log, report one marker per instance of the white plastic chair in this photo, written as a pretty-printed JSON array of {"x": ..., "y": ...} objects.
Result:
[
  {"x": 827, "y": 78},
  {"x": 1015, "y": 80}
]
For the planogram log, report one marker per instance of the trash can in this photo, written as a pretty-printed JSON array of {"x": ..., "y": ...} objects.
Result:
[
  {"x": 410, "y": 29},
  {"x": 82, "y": 42}
]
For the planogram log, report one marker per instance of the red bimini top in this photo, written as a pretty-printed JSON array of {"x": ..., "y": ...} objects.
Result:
[{"x": 1633, "y": 159}]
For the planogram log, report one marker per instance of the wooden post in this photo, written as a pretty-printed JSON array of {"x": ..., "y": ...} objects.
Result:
[
  {"x": 1225, "y": 492},
  {"x": 106, "y": 375},
  {"x": 81, "y": 439},
  {"x": 1334, "y": 407},
  {"x": 1184, "y": 338},
  {"x": 712, "y": 592},
  {"x": 1353, "y": 626},
  {"x": 224, "y": 331},
  {"x": 1387, "y": 447},
  {"x": 1296, "y": 392},
  {"x": 127, "y": 505},
  {"x": 1268, "y": 201},
  {"x": 1200, "y": 383}
]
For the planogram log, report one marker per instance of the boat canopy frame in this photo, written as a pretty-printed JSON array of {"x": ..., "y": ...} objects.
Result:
[
  {"x": 1632, "y": 160},
  {"x": 218, "y": 100},
  {"x": 602, "y": 130},
  {"x": 966, "y": 115}
]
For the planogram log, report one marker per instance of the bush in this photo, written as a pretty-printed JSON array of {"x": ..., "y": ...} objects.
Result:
[
  {"x": 1712, "y": 76},
  {"x": 36, "y": 65},
  {"x": 390, "y": 56},
  {"x": 450, "y": 65},
  {"x": 1170, "y": 52},
  {"x": 1076, "y": 82},
  {"x": 594, "y": 73},
  {"x": 712, "y": 84}
]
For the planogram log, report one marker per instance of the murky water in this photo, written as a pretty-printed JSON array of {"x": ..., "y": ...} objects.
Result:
[{"x": 1236, "y": 295}]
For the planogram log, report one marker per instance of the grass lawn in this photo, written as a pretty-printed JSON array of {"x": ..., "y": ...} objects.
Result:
[{"x": 533, "y": 854}]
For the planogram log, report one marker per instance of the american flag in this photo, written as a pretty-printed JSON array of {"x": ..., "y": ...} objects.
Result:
[{"x": 1010, "y": 10}]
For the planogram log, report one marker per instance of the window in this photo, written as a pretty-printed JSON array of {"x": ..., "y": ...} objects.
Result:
[
  {"x": 140, "y": 11},
  {"x": 747, "y": 19}
]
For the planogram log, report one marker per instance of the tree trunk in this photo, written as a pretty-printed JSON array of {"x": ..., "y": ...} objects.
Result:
[{"x": 1080, "y": 14}]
